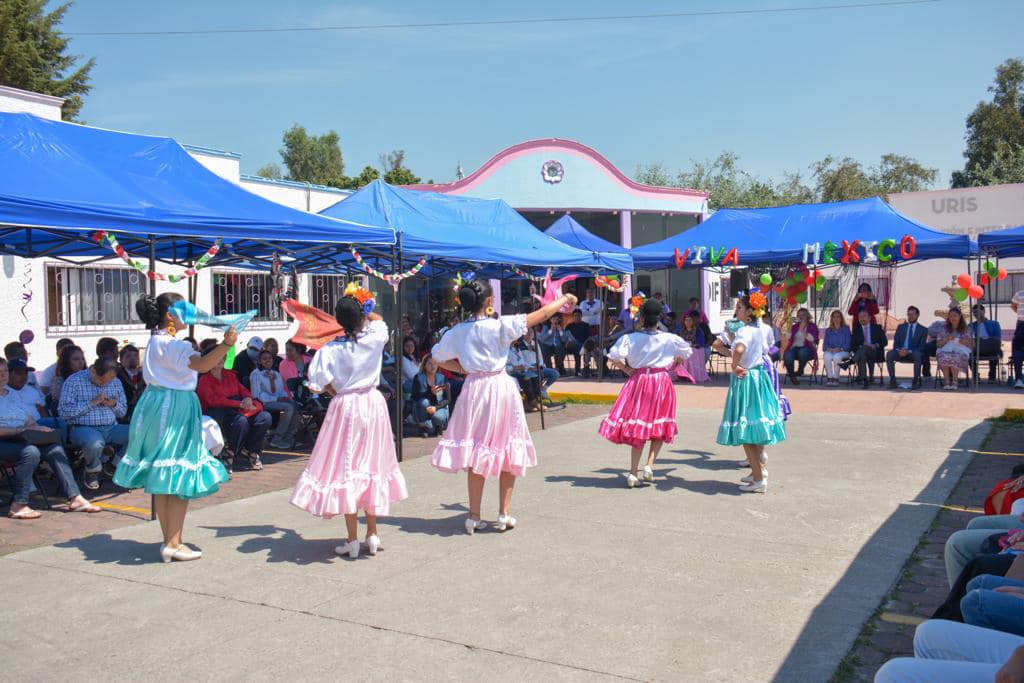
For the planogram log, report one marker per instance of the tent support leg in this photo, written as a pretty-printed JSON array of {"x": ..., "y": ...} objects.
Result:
[
  {"x": 396, "y": 256},
  {"x": 152, "y": 292},
  {"x": 601, "y": 329}
]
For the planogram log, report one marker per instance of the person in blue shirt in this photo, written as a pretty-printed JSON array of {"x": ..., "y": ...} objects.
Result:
[{"x": 989, "y": 336}]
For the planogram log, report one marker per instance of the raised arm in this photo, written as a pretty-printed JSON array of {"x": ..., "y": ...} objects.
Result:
[
  {"x": 543, "y": 314},
  {"x": 213, "y": 358}
]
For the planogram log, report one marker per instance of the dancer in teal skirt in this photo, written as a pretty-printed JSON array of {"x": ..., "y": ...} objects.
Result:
[
  {"x": 166, "y": 455},
  {"x": 751, "y": 417}
]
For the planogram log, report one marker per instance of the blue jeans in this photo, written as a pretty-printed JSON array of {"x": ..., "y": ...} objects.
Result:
[
  {"x": 26, "y": 459},
  {"x": 437, "y": 422},
  {"x": 93, "y": 439},
  {"x": 984, "y": 606},
  {"x": 964, "y": 545},
  {"x": 802, "y": 354}
]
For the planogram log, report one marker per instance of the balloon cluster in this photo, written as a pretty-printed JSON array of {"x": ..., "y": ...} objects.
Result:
[
  {"x": 793, "y": 289},
  {"x": 966, "y": 286},
  {"x": 991, "y": 274}
]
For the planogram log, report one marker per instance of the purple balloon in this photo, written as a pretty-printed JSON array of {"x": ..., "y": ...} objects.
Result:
[{"x": 26, "y": 336}]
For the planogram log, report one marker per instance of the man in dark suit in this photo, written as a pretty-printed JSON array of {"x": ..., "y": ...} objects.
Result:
[
  {"x": 868, "y": 345},
  {"x": 908, "y": 347}
]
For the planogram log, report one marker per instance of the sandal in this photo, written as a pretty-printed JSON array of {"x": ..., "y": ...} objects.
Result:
[
  {"x": 25, "y": 513},
  {"x": 89, "y": 508}
]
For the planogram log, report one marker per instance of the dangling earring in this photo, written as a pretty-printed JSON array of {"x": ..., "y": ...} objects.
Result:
[
  {"x": 171, "y": 330},
  {"x": 489, "y": 311}
]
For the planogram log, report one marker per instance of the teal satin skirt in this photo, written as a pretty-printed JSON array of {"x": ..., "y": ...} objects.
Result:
[
  {"x": 166, "y": 454},
  {"x": 751, "y": 414}
]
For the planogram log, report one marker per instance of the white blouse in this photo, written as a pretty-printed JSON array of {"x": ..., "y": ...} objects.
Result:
[
  {"x": 350, "y": 365},
  {"x": 644, "y": 350},
  {"x": 481, "y": 345},
  {"x": 165, "y": 363},
  {"x": 753, "y": 339}
]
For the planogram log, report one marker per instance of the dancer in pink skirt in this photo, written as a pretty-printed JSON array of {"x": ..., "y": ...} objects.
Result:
[
  {"x": 487, "y": 435},
  {"x": 645, "y": 410},
  {"x": 353, "y": 466}
]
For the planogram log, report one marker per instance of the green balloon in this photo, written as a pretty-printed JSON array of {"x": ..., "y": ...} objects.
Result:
[
  {"x": 820, "y": 280},
  {"x": 960, "y": 294},
  {"x": 819, "y": 285},
  {"x": 989, "y": 266},
  {"x": 766, "y": 279},
  {"x": 801, "y": 297}
]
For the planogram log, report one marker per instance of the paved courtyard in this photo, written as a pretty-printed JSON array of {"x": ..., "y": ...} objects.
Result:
[{"x": 684, "y": 580}]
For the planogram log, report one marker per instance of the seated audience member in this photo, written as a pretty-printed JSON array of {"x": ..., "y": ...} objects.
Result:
[
  {"x": 931, "y": 345},
  {"x": 1017, "y": 345},
  {"x": 30, "y": 397},
  {"x": 590, "y": 308},
  {"x": 907, "y": 347},
  {"x": 293, "y": 367},
  {"x": 528, "y": 383},
  {"x": 955, "y": 347},
  {"x": 410, "y": 364},
  {"x": 802, "y": 345},
  {"x": 16, "y": 350},
  {"x": 579, "y": 334},
  {"x": 129, "y": 373},
  {"x": 246, "y": 362},
  {"x": 45, "y": 378},
  {"x": 836, "y": 346},
  {"x": 626, "y": 319},
  {"x": 994, "y": 602},
  {"x": 106, "y": 347},
  {"x": 867, "y": 347},
  {"x": 242, "y": 421},
  {"x": 270, "y": 344},
  {"x": 529, "y": 359},
  {"x": 673, "y": 324},
  {"x": 24, "y": 443},
  {"x": 552, "y": 339},
  {"x": 91, "y": 402},
  {"x": 693, "y": 368},
  {"x": 989, "y": 336},
  {"x": 945, "y": 651},
  {"x": 969, "y": 543},
  {"x": 268, "y": 387},
  {"x": 665, "y": 310},
  {"x": 695, "y": 308},
  {"x": 864, "y": 301},
  {"x": 431, "y": 399},
  {"x": 70, "y": 361}
]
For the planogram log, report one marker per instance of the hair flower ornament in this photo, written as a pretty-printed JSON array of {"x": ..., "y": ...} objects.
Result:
[{"x": 363, "y": 296}]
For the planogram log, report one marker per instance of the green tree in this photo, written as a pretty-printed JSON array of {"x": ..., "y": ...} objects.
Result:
[
  {"x": 995, "y": 132},
  {"x": 844, "y": 179},
  {"x": 33, "y": 54},
  {"x": 653, "y": 174},
  {"x": 313, "y": 158},
  {"x": 272, "y": 171},
  {"x": 368, "y": 175},
  {"x": 395, "y": 172}
]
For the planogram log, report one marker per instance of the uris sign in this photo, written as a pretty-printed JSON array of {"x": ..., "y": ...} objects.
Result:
[{"x": 952, "y": 205}]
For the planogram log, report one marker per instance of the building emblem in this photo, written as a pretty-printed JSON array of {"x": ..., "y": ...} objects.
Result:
[{"x": 552, "y": 172}]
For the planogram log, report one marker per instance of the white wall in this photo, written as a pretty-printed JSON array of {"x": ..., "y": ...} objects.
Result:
[{"x": 43, "y": 106}]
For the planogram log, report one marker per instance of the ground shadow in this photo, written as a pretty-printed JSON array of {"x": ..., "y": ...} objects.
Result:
[
  {"x": 614, "y": 479},
  {"x": 836, "y": 621},
  {"x": 704, "y": 487},
  {"x": 105, "y": 549},
  {"x": 280, "y": 544}
]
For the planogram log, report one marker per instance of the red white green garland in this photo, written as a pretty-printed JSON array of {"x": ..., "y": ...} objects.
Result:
[
  {"x": 611, "y": 283},
  {"x": 103, "y": 236},
  {"x": 524, "y": 274},
  {"x": 392, "y": 280}
]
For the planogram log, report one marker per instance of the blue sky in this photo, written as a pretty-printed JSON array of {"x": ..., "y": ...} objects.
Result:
[{"x": 780, "y": 90}]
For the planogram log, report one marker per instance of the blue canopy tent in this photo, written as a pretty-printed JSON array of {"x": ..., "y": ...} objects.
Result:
[
  {"x": 1003, "y": 243},
  {"x": 458, "y": 231},
  {"x": 567, "y": 230},
  {"x": 60, "y": 182},
  {"x": 778, "y": 234}
]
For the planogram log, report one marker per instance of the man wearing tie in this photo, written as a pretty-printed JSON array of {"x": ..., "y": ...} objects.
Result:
[
  {"x": 908, "y": 347},
  {"x": 868, "y": 343}
]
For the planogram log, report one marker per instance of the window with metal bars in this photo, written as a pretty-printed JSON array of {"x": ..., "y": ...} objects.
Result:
[
  {"x": 1002, "y": 291},
  {"x": 238, "y": 292},
  {"x": 325, "y": 290},
  {"x": 88, "y": 296}
]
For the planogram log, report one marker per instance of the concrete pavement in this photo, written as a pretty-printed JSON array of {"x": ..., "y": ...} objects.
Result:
[{"x": 684, "y": 580}]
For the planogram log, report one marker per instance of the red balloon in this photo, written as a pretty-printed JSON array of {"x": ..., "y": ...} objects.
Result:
[
  {"x": 984, "y": 279},
  {"x": 975, "y": 291},
  {"x": 1002, "y": 273},
  {"x": 801, "y": 286},
  {"x": 964, "y": 280},
  {"x": 765, "y": 289},
  {"x": 791, "y": 299}
]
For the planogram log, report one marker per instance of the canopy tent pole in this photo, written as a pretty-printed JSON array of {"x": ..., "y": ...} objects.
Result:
[
  {"x": 600, "y": 334},
  {"x": 396, "y": 347},
  {"x": 152, "y": 292}
]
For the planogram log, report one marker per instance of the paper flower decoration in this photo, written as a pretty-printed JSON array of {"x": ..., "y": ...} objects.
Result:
[
  {"x": 759, "y": 303},
  {"x": 361, "y": 295}
]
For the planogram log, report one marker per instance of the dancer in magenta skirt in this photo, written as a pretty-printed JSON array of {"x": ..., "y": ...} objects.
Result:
[
  {"x": 353, "y": 466},
  {"x": 487, "y": 435},
  {"x": 645, "y": 411}
]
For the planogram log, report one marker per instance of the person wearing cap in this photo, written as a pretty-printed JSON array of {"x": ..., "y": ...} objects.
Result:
[
  {"x": 246, "y": 362},
  {"x": 15, "y": 350},
  {"x": 91, "y": 402},
  {"x": 30, "y": 396}
]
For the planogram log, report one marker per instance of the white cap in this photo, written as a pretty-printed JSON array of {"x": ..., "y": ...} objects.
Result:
[{"x": 255, "y": 343}]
